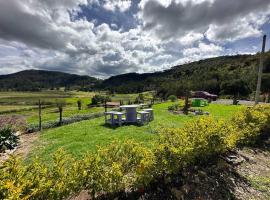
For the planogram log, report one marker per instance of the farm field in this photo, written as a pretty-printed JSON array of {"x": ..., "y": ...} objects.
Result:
[
  {"x": 85, "y": 136},
  {"x": 25, "y": 104}
]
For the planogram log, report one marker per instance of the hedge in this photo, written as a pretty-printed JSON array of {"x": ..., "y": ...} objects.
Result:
[
  {"x": 129, "y": 165},
  {"x": 65, "y": 121}
]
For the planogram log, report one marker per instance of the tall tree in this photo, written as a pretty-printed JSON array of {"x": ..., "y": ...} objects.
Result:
[
  {"x": 236, "y": 87},
  {"x": 60, "y": 104}
]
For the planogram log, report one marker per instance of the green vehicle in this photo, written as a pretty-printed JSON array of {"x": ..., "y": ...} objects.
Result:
[{"x": 199, "y": 102}]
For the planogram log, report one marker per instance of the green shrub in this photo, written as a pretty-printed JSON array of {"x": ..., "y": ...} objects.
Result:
[
  {"x": 172, "y": 98},
  {"x": 8, "y": 140},
  {"x": 174, "y": 107}
]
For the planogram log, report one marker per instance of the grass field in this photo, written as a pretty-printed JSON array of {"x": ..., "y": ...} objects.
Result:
[{"x": 79, "y": 138}]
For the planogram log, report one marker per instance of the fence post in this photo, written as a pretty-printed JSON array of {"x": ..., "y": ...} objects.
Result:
[
  {"x": 39, "y": 115},
  {"x": 259, "y": 82}
]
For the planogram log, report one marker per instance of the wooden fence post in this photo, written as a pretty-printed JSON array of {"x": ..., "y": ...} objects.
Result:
[
  {"x": 259, "y": 82},
  {"x": 39, "y": 115}
]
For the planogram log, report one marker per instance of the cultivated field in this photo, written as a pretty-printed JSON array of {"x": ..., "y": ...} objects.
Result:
[{"x": 25, "y": 104}]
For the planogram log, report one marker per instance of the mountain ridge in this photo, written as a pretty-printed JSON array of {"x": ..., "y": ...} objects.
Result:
[{"x": 208, "y": 74}]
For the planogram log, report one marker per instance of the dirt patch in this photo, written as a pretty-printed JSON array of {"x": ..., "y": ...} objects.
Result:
[{"x": 26, "y": 143}]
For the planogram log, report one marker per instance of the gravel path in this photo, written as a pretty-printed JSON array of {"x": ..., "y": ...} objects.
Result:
[{"x": 229, "y": 102}]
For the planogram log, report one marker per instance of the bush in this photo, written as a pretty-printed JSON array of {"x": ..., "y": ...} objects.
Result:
[
  {"x": 174, "y": 107},
  {"x": 68, "y": 120},
  {"x": 8, "y": 140},
  {"x": 196, "y": 141},
  {"x": 99, "y": 99},
  {"x": 172, "y": 98},
  {"x": 251, "y": 122},
  {"x": 120, "y": 166},
  {"x": 39, "y": 181}
]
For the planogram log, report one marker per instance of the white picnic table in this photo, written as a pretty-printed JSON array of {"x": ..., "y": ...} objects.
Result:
[{"x": 131, "y": 113}]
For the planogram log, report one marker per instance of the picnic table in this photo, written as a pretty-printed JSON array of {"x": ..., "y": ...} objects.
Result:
[{"x": 131, "y": 113}]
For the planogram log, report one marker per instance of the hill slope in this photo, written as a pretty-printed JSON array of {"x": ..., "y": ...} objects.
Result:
[
  {"x": 31, "y": 80},
  {"x": 209, "y": 74}
]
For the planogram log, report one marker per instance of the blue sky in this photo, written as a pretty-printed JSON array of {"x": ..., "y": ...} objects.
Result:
[{"x": 103, "y": 38}]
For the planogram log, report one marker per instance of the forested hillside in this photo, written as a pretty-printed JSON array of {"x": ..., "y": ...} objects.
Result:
[
  {"x": 222, "y": 75},
  {"x": 34, "y": 80},
  {"x": 228, "y": 75}
]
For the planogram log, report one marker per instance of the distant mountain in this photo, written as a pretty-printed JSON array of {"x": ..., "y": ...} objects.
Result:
[
  {"x": 33, "y": 80},
  {"x": 209, "y": 74}
]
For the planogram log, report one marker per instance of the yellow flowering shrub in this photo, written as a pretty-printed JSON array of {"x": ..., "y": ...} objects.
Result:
[
  {"x": 122, "y": 165},
  {"x": 197, "y": 140},
  {"x": 251, "y": 122}
]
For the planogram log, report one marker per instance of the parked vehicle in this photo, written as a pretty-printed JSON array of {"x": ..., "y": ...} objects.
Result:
[{"x": 205, "y": 95}]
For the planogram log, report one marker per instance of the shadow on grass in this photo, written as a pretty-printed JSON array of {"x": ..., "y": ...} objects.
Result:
[{"x": 123, "y": 125}]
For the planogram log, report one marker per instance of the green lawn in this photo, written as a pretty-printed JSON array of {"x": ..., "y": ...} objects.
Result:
[{"x": 81, "y": 137}]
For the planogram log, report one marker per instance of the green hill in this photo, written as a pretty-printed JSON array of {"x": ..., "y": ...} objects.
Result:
[
  {"x": 33, "y": 80},
  {"x": 210, "y": 74}
]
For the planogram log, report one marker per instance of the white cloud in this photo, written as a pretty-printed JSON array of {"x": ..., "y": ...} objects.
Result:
[
  {"x": 173, "y": 19},
  {"x": 190, "y": 38},
  {"x": 202, "y": 51},
  {"x": 121, "y": 5},
  {"x": 47, "y": 34}
]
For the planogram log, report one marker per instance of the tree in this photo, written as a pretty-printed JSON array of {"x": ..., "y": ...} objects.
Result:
[
  {"x": 235, "y": 87},
  {"x": 79, "y": 103},
  {"x": 60, "y": 103}
]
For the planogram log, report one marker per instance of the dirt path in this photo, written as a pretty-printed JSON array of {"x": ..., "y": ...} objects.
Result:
[
  {"x": 256, "y": 169},
  {"x": 26, "y": 143}
]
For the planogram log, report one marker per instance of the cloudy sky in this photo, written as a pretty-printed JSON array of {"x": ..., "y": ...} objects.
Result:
[{"x": 102, "y": 38}]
